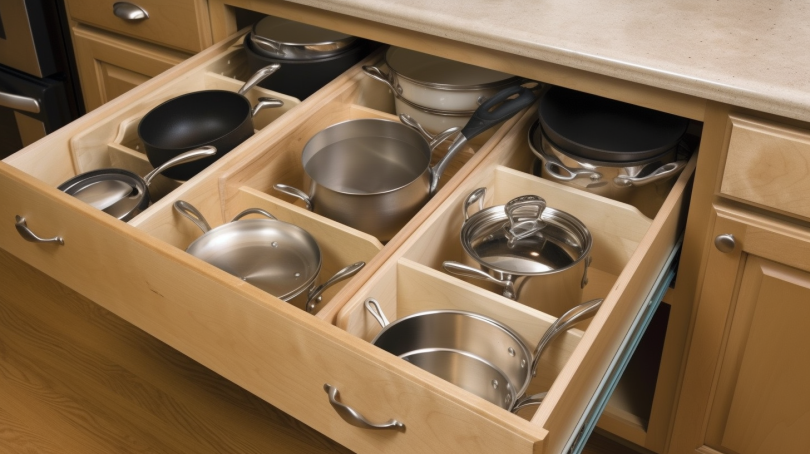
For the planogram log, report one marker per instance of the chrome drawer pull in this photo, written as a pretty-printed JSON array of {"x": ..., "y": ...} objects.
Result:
[
  {"x": 28, "y": 235},
  {"x": 353, "y": 417},
  {"x": 129, "y": 11},
  {"x": 17, "y": 102}
]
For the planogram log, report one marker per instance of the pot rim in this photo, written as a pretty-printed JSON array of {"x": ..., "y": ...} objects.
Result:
[
  {"x": 428, "y": 110},
  {"x": 449, "y": 87},
  {"x": 496, "y": 214},
  {"x": 388, "y": 191},
  {"x": 289, "y": 295},
  {"x": 248, "y": 118}
]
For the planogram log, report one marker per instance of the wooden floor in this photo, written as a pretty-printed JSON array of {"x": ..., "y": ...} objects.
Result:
[{"x": 74, "y": 378}]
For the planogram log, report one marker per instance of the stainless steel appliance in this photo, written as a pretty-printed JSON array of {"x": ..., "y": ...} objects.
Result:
[{"x": 39, "y": 90}]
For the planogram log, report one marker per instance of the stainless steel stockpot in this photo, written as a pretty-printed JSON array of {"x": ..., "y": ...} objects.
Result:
[
  {"x": 472, "y": 351},
  {"x": 616, "y": 181},
  {"x": 280, "y": 258},
  {"x": 437, "y": 83},
  {"x": 539, "y": 255}
]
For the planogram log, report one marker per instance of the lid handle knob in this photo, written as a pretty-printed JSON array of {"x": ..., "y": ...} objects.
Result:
[{"x": 524, "y": 215}]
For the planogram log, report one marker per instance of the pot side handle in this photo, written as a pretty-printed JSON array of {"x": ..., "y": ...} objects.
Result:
[
  {"x": 295, "y": 192},
  {"x": 347, "y": 272},
  {"x": 377, "y": 74},
  {"x": 566, "y": 321},
  {"x": 475, "y": 196},
  {"x": 254, "y": 211},
  {"x": 662, "y": 173},
  {"x": 460, "y": 269},
  {"x": 373, "y": 308},
  {"x": 188, "y": 211}
]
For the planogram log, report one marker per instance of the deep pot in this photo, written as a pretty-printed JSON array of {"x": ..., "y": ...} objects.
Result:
[{"x": 538, "y": 255}]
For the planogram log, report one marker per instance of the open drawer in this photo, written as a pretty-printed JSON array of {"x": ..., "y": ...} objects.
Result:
[{"x": 633, "y": 257}]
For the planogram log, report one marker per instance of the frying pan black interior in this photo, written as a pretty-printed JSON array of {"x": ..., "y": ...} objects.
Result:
[{"x": 213, "y": 117}]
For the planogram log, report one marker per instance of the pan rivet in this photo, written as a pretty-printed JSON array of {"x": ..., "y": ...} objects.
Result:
[
  {"x": 511, "y": 351},
  {"x": 508, "y": 398},
  {"x": 495, "y": 384},
  {"x": 274, "y": 244},
  {"x": 522, "y": 364}
]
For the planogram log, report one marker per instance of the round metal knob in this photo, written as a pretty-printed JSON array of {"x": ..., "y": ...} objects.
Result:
[{"x": 725, "y": 242}]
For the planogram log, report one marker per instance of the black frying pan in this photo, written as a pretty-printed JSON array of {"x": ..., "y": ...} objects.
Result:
[{"x": 219, "y": 118}]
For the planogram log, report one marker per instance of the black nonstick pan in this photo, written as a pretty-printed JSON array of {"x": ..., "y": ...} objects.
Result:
[{"x": 219, "y": 118}]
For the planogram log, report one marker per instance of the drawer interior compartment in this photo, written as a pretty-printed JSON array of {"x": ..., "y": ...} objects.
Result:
[
  {"x": 630, "y": 252},
  {"x": 113, "y": 141}
]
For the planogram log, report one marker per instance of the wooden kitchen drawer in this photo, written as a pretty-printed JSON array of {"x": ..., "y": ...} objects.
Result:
[
  {"x": 182, "y": 24},
  {"x": 768, "y": 164},
  {"x": 140, "y": 272}
]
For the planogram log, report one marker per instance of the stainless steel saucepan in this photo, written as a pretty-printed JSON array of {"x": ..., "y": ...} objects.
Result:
[
  {"x": 472, "y": 351},
  {"x": 280, "y": 258},
  {"x": 374, "y": 175}
]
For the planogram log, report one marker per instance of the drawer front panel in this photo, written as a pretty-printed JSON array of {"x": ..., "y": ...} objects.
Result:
[
  {"x": 278, "y": 352},
  {"x": 182, "y": 24},
  {"x": 769, "y": 165}
]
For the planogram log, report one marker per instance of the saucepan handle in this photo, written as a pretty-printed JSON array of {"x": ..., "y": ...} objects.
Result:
[
  {"x": 499, "y": 108},
  {"x": 182, "y": 158},
  {"x": 295, "y": 192},
  {"x": 264, "y": 103},
  {"x": 566, "y": 321},
  {"x": 259, "y": 76},
  {"x": 315, "y": 294},
  {"x": 460, "y": 269},
  {"x": 187, "y": 210}
]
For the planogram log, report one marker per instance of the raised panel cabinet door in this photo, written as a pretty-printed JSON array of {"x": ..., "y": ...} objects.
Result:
[
  {"x": 110, "y": 66},
  {"x": 746, "y": 384}
]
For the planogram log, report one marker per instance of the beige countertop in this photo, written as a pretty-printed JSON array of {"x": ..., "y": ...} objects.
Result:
[{"x": 749, "y": 53}]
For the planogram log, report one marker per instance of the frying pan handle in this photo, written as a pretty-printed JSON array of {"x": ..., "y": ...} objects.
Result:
[
  {"x": 258, "y": 76},
  {"x": 253, "y": 211},
  {"x": 295, "y": 192},
  {"x": 499, "y": 108},
  {"x": 182, "y": 158},
  {"x": 347, "y": 272},
  {"x": 476, "y": 195},
  {"x": 264, "y": 103},
  {"x": 566, "y": 321},
  {"x": 187, "y": 210},
  {"x": 460, "y": 269},
  {"x": 373, "y": 308},
  {"x": 662, "y": 173},
  {"x": 377, "y": 74}
]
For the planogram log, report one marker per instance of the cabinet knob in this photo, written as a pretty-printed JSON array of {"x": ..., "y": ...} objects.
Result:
[
  {"x": 725, "y": 243},
  {"x": 129, "y": 11}
]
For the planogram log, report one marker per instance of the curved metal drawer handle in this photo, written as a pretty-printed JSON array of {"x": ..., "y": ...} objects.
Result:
[
  {"x": 129, "y": 11},
  {"x": 28, "y": 235},
  {"x": 354, "y": 418}
]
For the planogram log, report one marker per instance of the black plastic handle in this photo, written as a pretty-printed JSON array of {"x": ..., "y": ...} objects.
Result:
[{"x": 484, "y": 119}]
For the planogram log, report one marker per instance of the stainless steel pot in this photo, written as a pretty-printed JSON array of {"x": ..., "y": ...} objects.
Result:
[
  {"x": 289, "y": 40},
  {"x": 374, "y": 175},
  {"x": 472, "y": 351},
  {"x": 119, "y": 192},
  {"x": 280, "y": 258},
  {"x": 539, "y": 255},
  {"x": 438, "y": 83},
  {"x": 616, "y": 181}
]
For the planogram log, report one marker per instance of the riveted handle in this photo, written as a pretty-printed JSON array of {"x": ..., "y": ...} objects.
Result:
[
  {"x": 29, "y": 235},
  {"x": 725, "y": 243},
  {"x": 295, "y": 192},
  {"x": 315, "y": 294},
  {"x": 130, "y": 12},
  {"x": 354, "y": 418}
]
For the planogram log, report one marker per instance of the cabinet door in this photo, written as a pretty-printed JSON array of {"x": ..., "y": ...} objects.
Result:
[
  {"x": 745, "y": 389},
  {"x": 110, "y": 66}
]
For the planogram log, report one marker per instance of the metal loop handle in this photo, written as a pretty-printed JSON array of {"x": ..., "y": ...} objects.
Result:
[
  {"x": 525, "y": 217},
  {"x": 254, "y": 211},
  {"x": 259, "y": 76},
  {"x": 377, "y": 74},
  {"x": 182, "y": 158},
  {"x": 476, "y": 195},
  {"x": 373, "y": 308},
  {"x": 563, "y": 324},
  {"x": 264, "y": 103},
  {"x": 553, "y": 167},
  {"x": 295, "y": 192},
  {"x": 29, "y": 235},
  {"x": 130, "y": 12},
  {"x": 460, "y": 269},
  {"x": 188, "y": 211},
  {"x": 662, "y": 173},
  {"x": 315, "y": 294},
  {"x": 354, "y": 418},
  {"x": 526, "y": 401}
]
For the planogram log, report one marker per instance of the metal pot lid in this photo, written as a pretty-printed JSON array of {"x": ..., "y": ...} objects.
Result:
[
  {"x": 286, "y": 39},
  {"x": 591, "y": 127},
  {"x": 280, "y": 258},
  {"x": 437, "y": 72},
  {"x": 117, "y": 192},
  {"x": 524, "y": 237}
]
